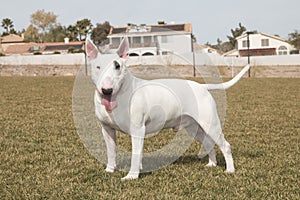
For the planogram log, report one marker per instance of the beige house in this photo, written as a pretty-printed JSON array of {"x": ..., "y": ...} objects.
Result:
[
  {"x": 261, "y": 44},
  {"x": 153, "y": 39}
]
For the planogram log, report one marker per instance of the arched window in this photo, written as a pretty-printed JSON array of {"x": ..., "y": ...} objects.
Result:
[
  {"x": 133, "y": 54},
  {"x": 282, "y": 50},
  {"x": 148, "y": 54}
]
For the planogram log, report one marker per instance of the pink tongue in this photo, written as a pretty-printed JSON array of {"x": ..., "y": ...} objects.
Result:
[{"x": 109, "y": 103}]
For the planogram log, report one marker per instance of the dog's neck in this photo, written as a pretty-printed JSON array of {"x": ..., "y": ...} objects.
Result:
[{"x": 130, "y": 82}]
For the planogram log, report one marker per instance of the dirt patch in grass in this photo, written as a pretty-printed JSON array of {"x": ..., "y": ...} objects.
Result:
[
  {"x": 156, "y": 71},
  {"x": 215, "y": 72},
  {"x": 39, "y": 70},
  {"x": 42, "y": 157}
]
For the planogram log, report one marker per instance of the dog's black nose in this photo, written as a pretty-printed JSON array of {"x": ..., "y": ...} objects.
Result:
[{"x": 107, "y": 91}]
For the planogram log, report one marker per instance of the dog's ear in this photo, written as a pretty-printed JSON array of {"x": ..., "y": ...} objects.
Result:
[
  {"x": 123, "y": 48},
  {"x": 91, "y": 49}
]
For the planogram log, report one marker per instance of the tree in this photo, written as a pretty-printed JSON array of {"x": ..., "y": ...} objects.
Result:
[
  {"x": 236, "y": 33},
  {"x": 294, "y": 39},
  {"x": 221, "y": 46},
  {"x": 31, "y": 34},
  {"x": 84, "y": 27},
  {"x": 100, "y": 32},
  {"x": 72, "y": 33},
  {"x": 43, "y": 20},
  {"x": 194, "y": 39},
  {"x": 7, "y": 24},
  {"x": 56, "y": 34}
]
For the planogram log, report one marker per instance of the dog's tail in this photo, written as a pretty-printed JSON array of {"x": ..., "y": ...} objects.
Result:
[{"x": 228, "y": 84}]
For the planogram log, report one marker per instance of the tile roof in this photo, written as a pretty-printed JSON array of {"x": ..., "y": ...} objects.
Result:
[
  {"x": 26, "y": 48},
  {"x": 12, "y": 38},
  {"x": 61, "y": 46},
  {"x": 19, "y": 48},
  {"x": 144, "y": 29},
  {"x": 264, "y": 34}
]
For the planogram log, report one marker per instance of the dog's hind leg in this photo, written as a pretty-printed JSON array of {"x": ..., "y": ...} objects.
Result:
[
  {"x": 206, "y": 141},
  {"x": 211, "y": 135},
  {"x": 217, "y": 136},
  {"x": 207, "y": 147},
  {"x": 226, "y": 150}
]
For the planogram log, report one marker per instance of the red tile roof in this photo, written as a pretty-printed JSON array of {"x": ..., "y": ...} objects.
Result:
[
  {"x": 25, "y": 48},
  {"x": 12, "y": 38}
]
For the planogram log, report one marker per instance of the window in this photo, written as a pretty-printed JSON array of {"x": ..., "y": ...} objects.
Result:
[
  {"x": 115, "y": 41},
  {"x": 133, "y": 54},
  {"x": 245, "y": 43},
  {"x": 147, "y": 39},
  {"x": 282, "y": 50},
  {"x": 137, "y": 40},
  {"x": 264, "y": 42},
  {"x": 148, "y": 54},
  {"x": 34, "y": 49}
]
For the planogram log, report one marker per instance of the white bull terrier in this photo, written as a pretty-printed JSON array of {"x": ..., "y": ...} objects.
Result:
[{"x": 138, "y": 107}]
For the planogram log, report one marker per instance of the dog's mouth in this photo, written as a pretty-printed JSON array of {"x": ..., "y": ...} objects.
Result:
[{"x": 109, "y": 101}]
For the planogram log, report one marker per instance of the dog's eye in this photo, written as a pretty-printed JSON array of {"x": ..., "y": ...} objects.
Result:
[
  {"x": 98, "y": 67},
  {"x": 117, "y": 65}
]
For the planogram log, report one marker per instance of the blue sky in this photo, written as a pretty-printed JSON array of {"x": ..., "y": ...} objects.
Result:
[{"x": 211, "y": 19}]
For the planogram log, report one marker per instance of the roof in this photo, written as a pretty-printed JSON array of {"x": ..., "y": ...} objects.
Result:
[
  {"x": 146, "y": 29},
  {"x": 26, "y": 48},
  {"x": 60, "y": 46},
  {"x": 200, "y": 47},
  {"x": 12, "y": 38},
  {"x": 19, "y": 48},
  {"x": 233, "y": 52},
  {"x": 264, "y": 34}
]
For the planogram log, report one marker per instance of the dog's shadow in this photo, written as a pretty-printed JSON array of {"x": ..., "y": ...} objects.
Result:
[{"x": 190, "y": 160}]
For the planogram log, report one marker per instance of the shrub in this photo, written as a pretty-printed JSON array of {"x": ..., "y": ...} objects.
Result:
[
  {"x": 71, "y": 50},
  {"x": 79, "y": 51}
]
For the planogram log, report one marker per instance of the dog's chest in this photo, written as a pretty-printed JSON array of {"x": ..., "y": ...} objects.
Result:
[{"x": 113, "y": 119}]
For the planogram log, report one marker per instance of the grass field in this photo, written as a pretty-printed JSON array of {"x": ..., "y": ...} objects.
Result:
[{"x": 41, "y": 155}]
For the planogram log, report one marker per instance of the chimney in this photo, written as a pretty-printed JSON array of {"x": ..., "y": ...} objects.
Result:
[{"x": 66, "y": 40}]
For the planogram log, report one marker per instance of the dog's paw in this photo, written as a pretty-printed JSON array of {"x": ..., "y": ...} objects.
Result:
[
  {"x": 229, "y": 171},
  {"x": 110, "y": 169},
  {"x": 210, "y": 164},
  {"x": 130, "y": 176}
]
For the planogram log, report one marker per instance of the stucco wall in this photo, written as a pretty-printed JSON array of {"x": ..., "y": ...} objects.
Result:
[
  {"x": 179, "y": 59},
  {"x": 57, "y": 59}
]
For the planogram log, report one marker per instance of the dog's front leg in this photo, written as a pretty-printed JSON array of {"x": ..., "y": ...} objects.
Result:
[
  {"x": 137, "y": 142},
  {"x": 109, "y": 135}
]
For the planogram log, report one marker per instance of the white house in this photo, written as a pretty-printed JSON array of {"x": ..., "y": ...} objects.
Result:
[
  {"x": 261, "y": 44},
  {"x": 158, "y": 39}
]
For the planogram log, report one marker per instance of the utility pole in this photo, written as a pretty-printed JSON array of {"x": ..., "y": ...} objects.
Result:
[
  {"x": 193, "y": 52},
  {"x": 248, "y": 52}
]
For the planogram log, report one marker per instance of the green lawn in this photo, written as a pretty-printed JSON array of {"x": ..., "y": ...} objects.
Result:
[{"x": 41, "y": 155}]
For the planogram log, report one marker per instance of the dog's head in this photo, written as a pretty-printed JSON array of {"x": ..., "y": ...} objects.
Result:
[{"x": 108, "y": 71}]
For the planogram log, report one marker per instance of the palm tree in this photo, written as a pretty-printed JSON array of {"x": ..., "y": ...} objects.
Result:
[
  {"x": 84, "y": 27},
  {"x": 7, "y": 24},
  {"x": 72, "y": 33},
  {"x": 294, "y": 39}
]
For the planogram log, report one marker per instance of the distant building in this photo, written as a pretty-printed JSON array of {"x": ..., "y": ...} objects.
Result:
[
  {"x": 153, "y": 39},
  {"x": 199, "y": 48},
  {"x": 14, "y": 44},
  {"x": 10, "y": 39},
  {"x": 262, "y": 44}
]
